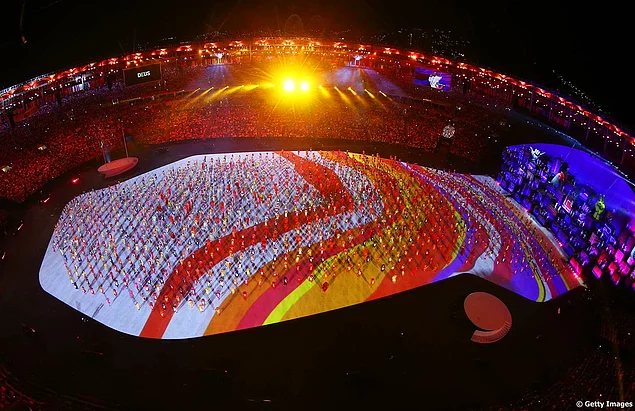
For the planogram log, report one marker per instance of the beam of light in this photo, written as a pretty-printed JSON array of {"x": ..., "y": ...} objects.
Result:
[
  {"x": 267, "y": 85},
  {"x": 324, "y": 91},
  {"x": 382, "y": 93},
  {"x": 190, "y": 94},
  {"x": 200, "y": 96},
  {"x": 250, "y": 87},
  {"x": 304, "y": 86},
  {"x": 376, "y": 100},
  {"x": 359, "y": 99},
  {"x": 185, "y": 101},
  {"x": 343, "y": 96},
  {"x": 217, "y": 93},
  {"x": 233, "y": 90}
]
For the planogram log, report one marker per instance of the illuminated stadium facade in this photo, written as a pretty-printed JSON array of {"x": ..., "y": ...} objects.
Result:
[{"x": 292, "y": 213}]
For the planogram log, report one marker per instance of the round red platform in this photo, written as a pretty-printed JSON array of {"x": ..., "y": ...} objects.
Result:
[
  {"x": 114, "y": 168},
  {"x": 487, "y": 311}
]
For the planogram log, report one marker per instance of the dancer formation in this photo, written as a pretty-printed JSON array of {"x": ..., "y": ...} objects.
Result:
[{"x": 224, "y": 242}]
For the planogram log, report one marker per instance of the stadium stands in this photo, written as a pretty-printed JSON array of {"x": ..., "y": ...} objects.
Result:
[{"x": 58, "y": 138}]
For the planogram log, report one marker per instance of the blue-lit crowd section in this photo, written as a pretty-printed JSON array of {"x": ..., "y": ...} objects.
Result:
[{"x": 586, "y": 204}]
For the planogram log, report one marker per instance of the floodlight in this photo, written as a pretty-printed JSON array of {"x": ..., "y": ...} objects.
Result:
[{"x": 289, "y": 85}]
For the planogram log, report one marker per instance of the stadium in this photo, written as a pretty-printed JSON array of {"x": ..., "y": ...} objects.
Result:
[{"x": 283, "y": 222}]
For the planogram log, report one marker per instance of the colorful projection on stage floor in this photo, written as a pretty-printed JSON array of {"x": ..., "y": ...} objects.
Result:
[{"x": 219, "y": 243}]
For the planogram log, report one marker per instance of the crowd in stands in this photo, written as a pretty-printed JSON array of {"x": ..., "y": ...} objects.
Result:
[
  {"x": 20, "y": 395},
  {"x": 618, "y": 328},
  {"x": 476, "y": 128},
  {"x": 53, "y": 142},
  {"x": 182, "y": 106},
  {"x": 597, "y": 376},
  {"x": 10, "y": 395}
]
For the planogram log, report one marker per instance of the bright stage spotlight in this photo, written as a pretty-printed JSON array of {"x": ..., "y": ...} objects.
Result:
[
  {"x": 304, "y": 86},
  {"x": 289, "y": 85}
]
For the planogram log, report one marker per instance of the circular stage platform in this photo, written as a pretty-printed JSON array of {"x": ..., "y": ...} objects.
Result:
[
  {"x": 117, "y": 167},
  {"x": 486, "y": 311},
  {"x": 490, "y": 314}
]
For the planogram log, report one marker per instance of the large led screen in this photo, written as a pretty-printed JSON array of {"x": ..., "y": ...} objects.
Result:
[
  {"x": 433, "y": 79},
  {"x": 143, "y": 74}
]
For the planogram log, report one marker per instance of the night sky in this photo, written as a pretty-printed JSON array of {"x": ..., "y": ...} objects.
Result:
[{"x": 586, "y": 45}]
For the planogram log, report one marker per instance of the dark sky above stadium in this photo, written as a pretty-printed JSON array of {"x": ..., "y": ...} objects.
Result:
[{"x": 586, "y": 43}]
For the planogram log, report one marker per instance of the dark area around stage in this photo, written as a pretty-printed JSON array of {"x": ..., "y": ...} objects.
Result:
[{"x": 394, "y": 351}]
